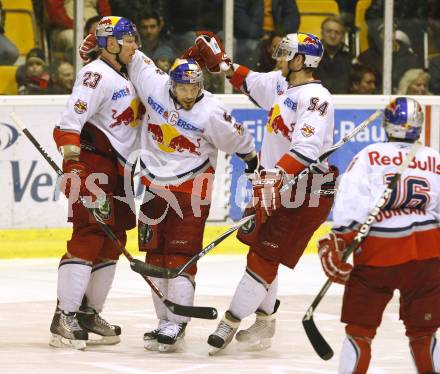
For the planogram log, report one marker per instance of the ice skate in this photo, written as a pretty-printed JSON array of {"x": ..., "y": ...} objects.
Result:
[
  {"x": 150, "y": 337},
  {"x": 224, "y": 333},
  {"x": 90, "y": 320},
  {"x": 170, "y": 336},
  {"x": 66, "y": 332},
  {"x": 257, "y": 337}
]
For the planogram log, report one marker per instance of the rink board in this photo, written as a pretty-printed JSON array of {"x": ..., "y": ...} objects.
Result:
[
  {"x": 30, "y": 198},
  {"x": 43, "y": 243}
]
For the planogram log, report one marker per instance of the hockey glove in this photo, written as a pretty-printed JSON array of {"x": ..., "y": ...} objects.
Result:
[
  {"x": 331, "y": 249},
  {"x": 193, "y": 52},
  {"x": 74, "y": 178},
  {"x": 212, "y": 52},
  {"x": 266, "y": 186},
  {"x": 88, "y": 49}
]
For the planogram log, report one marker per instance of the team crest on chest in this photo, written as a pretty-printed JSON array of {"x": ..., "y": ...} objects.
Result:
[
  {"x": 173, "y": 118},
  {"x": 307, "y": 130}
]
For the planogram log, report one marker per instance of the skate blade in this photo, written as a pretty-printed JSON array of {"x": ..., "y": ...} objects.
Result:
[
  {"x": 170, "y": 348},
  {"x": 214, "y": 351},
  {"x": 103, "y": 340},
  {"x": 58, "y": 341},
  {"x": 255, "y": 345},
  {"x": 151, "y": 345}
]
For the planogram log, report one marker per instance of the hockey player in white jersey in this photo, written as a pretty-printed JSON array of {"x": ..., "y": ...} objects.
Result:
[
  {"x": 186, "y": 127},
  {"x": 402, "y": 250},
  {"x": 299, "y": 129},
  {"x": 98, "y": 130}
]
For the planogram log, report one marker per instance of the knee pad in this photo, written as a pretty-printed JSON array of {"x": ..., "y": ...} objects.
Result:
[
  {"x": 425, "y": 351},
  {"x": 262, "y": 267},
  {"x": 356, "y": 350}
]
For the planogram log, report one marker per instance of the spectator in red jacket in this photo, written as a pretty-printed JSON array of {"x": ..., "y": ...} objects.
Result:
[{"x": 60, "y": 14}]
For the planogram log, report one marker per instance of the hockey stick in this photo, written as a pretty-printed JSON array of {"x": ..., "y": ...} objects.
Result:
[
  {"x": 160, "y": 272},
  {"x": 135, "y": 264},
  {"x": 318, "y": 342}
]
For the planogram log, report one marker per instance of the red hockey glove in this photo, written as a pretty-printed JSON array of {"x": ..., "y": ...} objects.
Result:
[
  {"x": 212, "y": 52},
  {"x": 331, "y": 249},
  {"x": 88, "y": 48},
  {"x": 74, "y": 185},
  {"x": 193, "y": 52},
  {"x": 266, "y": 186}
]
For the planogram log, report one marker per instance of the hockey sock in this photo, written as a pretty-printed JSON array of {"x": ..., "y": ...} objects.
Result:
[
  {"x": 73, "y": 277},
  {"x": 355, "y": 355},
  {"x": 426, "y": 353},
  {"x": 100, "y": 283},
  {"x": 181, "y": 291},
  {"x": 159, "y": 306},
  {"x": 248, "y": 297},
  {"x": 268, "y": 304}
]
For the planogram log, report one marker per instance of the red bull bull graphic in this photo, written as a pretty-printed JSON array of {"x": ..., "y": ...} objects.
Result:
[
  {"x": 156, "y": 132},
  {"x": 276, "y": 124},
  {"x": 310, "y": 40},
  {"x": 132, "y": 115},
  {"x": 169, "y": 140},
  {"x": 181, "y": 143},
  {"x": 105, "y": 22}
]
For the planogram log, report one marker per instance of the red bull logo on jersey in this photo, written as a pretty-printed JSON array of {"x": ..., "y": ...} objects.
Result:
[
  {"x": 169, "y": 140},
  {"x": 130, "y": 116},
  {"x": 276, "y": 124}
]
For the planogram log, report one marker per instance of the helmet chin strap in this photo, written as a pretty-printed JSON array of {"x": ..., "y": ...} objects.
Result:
[{"x": 116, "y": 54}]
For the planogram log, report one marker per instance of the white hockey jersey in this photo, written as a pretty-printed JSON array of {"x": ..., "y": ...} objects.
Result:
[
  {"x": 179, "y": 144},
  {"x": 108, "y": 100},
  {"x": 300, "y": 123},
  {"x": 408, "y": 227}
]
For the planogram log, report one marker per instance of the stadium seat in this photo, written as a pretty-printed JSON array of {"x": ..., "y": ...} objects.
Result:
[
  {"x": 20, "y": 24},
  {"x": 313, "y": 12},
  {"x": 18, "y": 4},
  {"x": 8, "y": 85},
  {"x": 361, "y": 24}
]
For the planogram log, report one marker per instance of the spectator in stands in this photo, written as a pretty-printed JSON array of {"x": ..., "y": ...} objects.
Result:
[
  {"x": 414, "y": 82},
  {"x": 265, "y": 62},
  {"x": 434, "y": 72},
  {"x": 60, "y": 16},
  {"x": 410, "y": 15},
  {"x": 164, "y": 58},
  {"x": 255, "y": 20},
  {"x": 33, "y": 77},
  {"x": 404, "y": 58},
  {"x": 337, "y": 59},
  {"x": 150, "y": 26},
  {"x": 188, "y": 16},
  {"x": 91, "y": 23},
  {"x": 8, "y": 51},
  {"x": 362, "y": 80},
  {"x": 347, "y": 9},
  {"x": 62, "y": 78}
]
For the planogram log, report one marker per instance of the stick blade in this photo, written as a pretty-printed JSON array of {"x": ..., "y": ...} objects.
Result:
[
  {"x": 149, "y": 270},
  {"x": 203, "y": 312},
  {"x": 321, "y": 347}
]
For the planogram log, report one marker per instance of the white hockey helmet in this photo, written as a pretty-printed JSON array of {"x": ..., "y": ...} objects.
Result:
[{"x": 307, "y": 45}]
